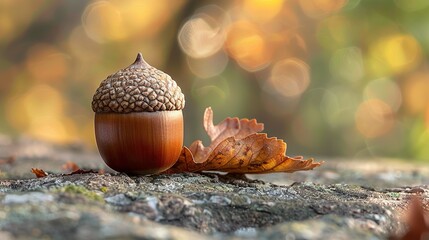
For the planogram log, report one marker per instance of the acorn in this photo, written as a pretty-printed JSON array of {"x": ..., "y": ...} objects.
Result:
[{"x": 138, "y": 119}]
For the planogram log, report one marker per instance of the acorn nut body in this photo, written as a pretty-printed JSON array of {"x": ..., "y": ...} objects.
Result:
[{"x": 138, "y": 119}]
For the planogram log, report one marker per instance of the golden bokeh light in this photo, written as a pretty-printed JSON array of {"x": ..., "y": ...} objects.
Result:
[
  {"x": 262, "y": 10},
  {"x": 287, "y": 43},
  {"x": 6, "y": 27},
  {"x": 53, "y": 129},
  {"x": 103, "y": 22},
  {"x": 353, "y": 70},
  {"x": 13, "y": 24},
  {"x": 46, "y": 63},
  {"x": 402, "y": 52},
  {"x": 201, "y": 36},
  {"x": 395, "y": 54},
  {"x": 248, "y": 46},
  {"x": 117, "y": 20},
  {"x": 385, "y": 90},
  {"x": 290, "y": 77},
  {"x": 290, "y": 18},
  {"x": 415, "y": 92},
  {"x": 145, "y": 17},
  {"x": 321, "y": 8},
  {"x": 39, "y": 101},
  {"x": 374, "y": 118},
  {"x": 40, "y": 113}
]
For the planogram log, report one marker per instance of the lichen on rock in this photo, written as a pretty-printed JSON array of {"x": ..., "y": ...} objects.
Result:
[{"x": 350, "y": 204}]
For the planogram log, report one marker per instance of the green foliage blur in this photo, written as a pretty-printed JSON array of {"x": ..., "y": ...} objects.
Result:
[{"x": 331, "y": 77}]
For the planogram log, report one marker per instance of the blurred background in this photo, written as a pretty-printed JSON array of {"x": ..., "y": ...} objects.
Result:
[{"x": 331, "y": 77}]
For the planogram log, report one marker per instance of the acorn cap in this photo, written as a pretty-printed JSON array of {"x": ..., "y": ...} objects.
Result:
[{"x": 138, "y": 88}]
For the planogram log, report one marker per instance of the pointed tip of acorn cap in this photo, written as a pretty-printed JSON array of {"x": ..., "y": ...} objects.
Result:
[
  {"x": 139, "y": 57},
  {"x": 140, "y": 61}
]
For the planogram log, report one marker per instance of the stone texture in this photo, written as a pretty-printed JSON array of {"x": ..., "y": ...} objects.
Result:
[{"x": 340, "y": 200}]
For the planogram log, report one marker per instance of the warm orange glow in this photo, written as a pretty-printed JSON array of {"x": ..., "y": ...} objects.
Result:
[
  {"x": 352, "y": 70},
  {"x": 416, "y": 92},
  {"x": 289, "y": 16},
  {"x": 11, "y": 23},
  {"x": 6, "y": 27},
  {"x": 290, "y": 77},
  {"x": 320, "y": 8},
  {"x": 40, "y": 113},
  {"x": 145, "y": 17},
  {"x": 46, "y": 63},
  {"x": 87, "y": 132},
  {"x": 374, "y": 118},
  {"x": 288, "y": 44},
  {"x": 52, "y": 129},
  {"x": 246, "y": 44},
  {"x": 262, "y": 10},
  {"x": 118, "y": 20}
]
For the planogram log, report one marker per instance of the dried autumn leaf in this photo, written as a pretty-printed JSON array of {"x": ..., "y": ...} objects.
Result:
[
  {"x": 39, "y": 172},
  {"x": 236, "y": 147},
  {"x": 230, "y": 127},
  {"x": 418, "y": 227}
]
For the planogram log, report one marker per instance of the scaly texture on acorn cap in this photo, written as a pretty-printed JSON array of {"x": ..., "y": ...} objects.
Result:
[{"x": 138, "y": 88}]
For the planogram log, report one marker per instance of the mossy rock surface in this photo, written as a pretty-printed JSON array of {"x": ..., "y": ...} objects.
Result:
[{"x": 344, "y": 199}]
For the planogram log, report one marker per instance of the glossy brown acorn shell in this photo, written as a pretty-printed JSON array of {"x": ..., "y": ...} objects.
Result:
[{"x": 140, "y": 142}]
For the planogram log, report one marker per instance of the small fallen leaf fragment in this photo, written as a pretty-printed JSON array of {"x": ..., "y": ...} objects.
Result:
[
  {"x": 82, "y": 171},
  {"x": 39, "y": 172},
  {"x": 417, "y": 221},
  {"x": 73, "y": 168},
  {"x": 70, "y": 166},
  {"x": 237, "y": 147}
]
